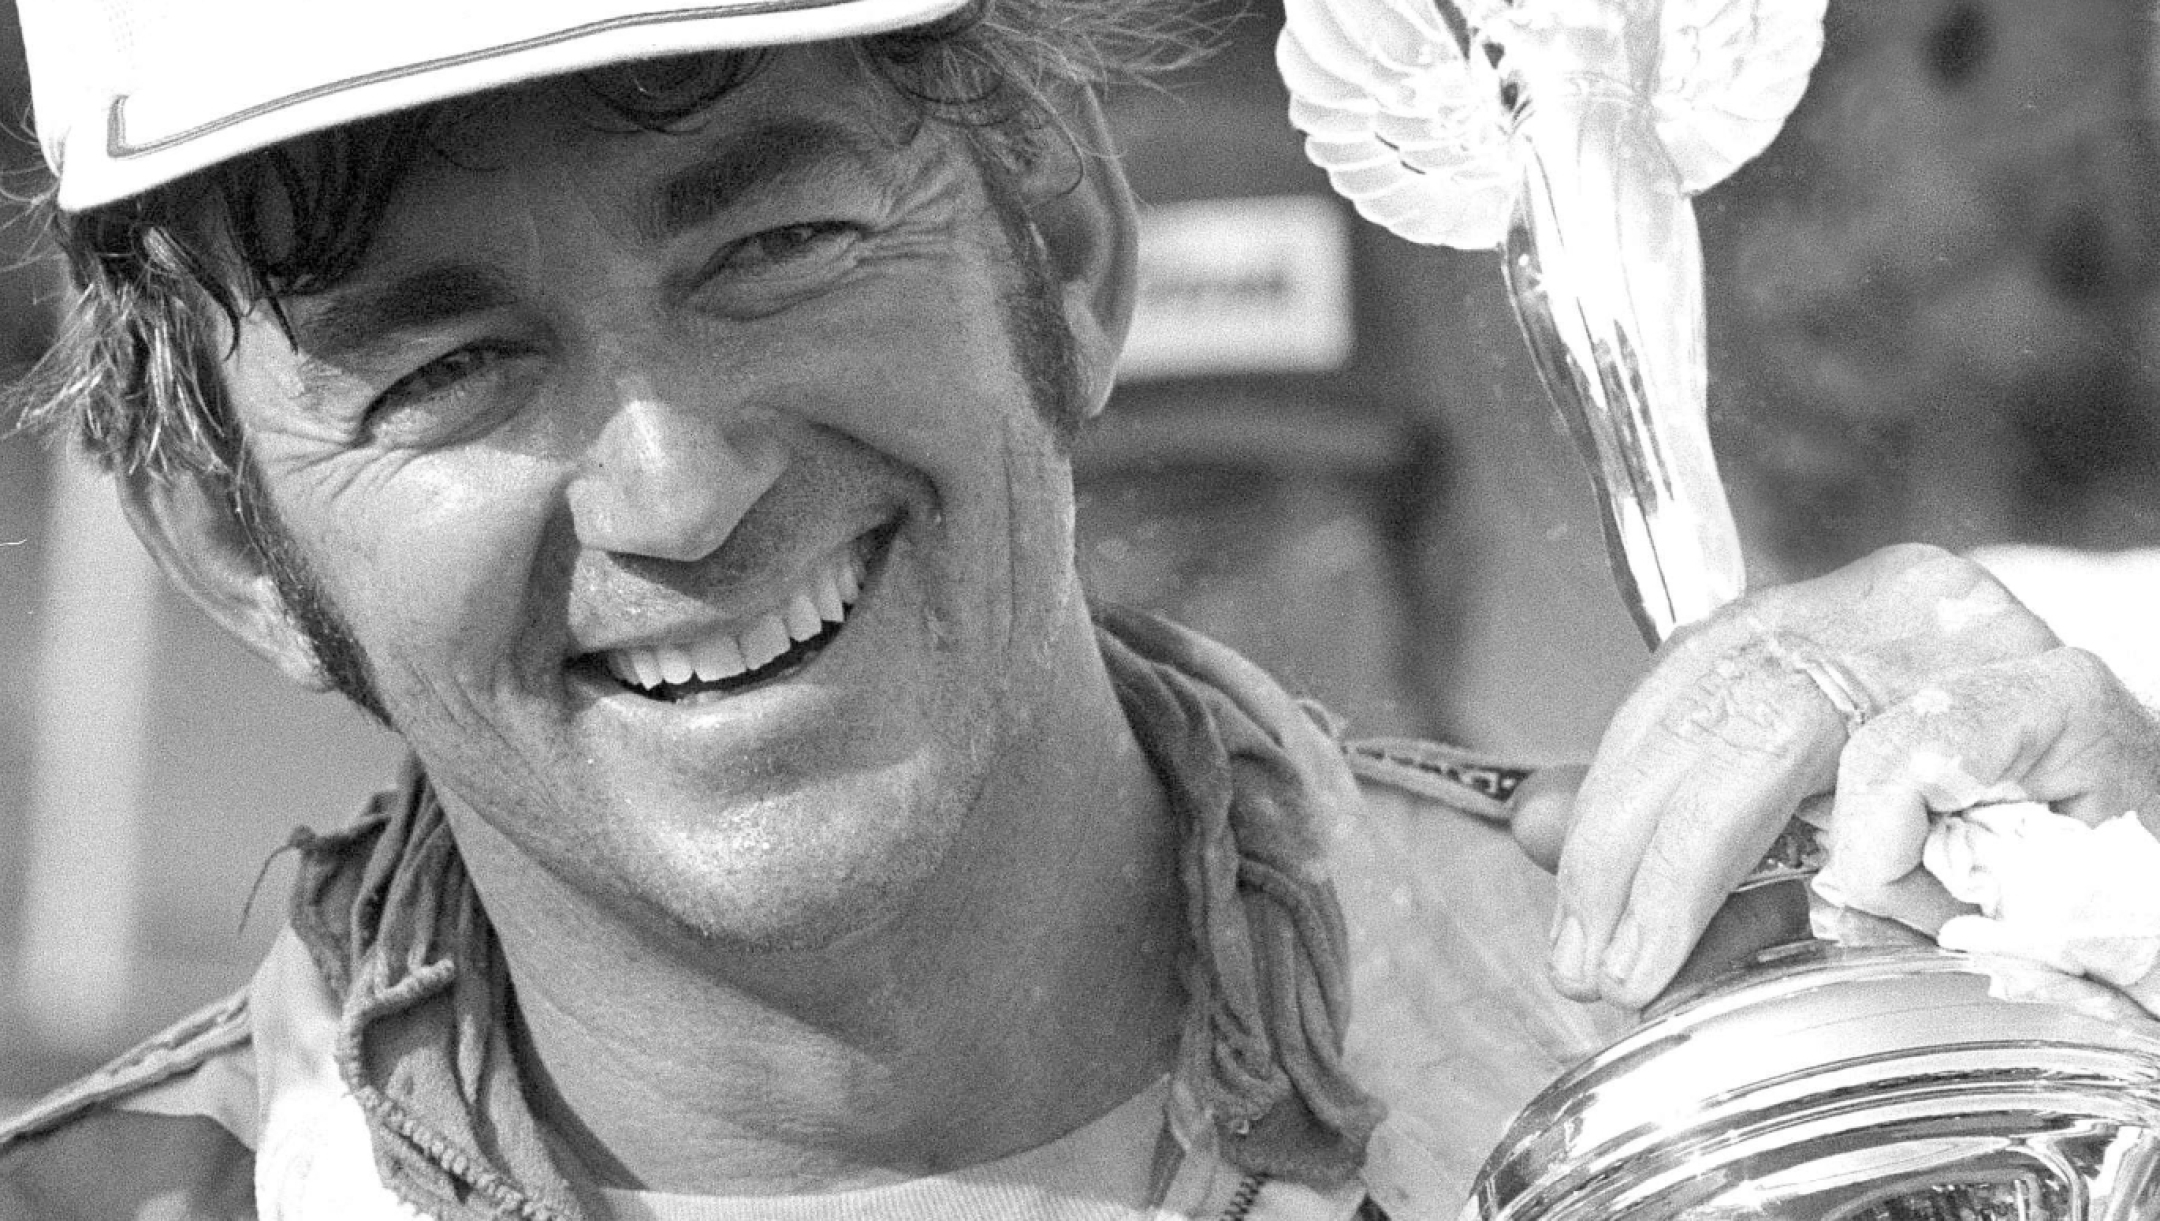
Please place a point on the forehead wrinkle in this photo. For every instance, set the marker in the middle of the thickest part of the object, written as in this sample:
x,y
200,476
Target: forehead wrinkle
x,y
756,159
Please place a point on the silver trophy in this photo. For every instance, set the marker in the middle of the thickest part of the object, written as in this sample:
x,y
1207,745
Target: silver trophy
x,y
1832,1082
1869,1077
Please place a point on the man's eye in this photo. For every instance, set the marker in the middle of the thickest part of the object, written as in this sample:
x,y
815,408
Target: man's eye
x,y
437,375
790,247
451,391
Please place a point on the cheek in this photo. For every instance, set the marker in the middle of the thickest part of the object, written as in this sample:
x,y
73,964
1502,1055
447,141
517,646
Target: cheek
x,y
918,364
949,395
442,566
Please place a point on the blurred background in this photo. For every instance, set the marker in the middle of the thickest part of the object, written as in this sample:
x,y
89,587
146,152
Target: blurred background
x,y
1931,317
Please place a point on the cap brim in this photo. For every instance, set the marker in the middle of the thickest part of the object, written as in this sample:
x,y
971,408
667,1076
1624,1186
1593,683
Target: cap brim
x,y
166,126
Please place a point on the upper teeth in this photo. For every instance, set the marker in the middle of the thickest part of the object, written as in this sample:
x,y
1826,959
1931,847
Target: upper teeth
x,y
824,597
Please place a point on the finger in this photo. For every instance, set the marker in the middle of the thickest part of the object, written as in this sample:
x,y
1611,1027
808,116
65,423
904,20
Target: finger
x,y
1715,832
2056,728
2110,761
1891,619
1542,809
1919,609
1900,620
1918,900
1668,822
1745,925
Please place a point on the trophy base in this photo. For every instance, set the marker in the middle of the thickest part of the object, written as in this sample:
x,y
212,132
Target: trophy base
x,y
1826,1083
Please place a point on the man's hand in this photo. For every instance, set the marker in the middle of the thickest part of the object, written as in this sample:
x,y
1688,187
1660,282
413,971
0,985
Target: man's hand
x,y
1968,699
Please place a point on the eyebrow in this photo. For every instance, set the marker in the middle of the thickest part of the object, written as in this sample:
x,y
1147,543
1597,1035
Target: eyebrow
x,y
752,160
348,322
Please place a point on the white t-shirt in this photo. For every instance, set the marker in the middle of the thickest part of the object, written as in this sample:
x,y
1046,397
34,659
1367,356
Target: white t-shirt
x,y
1103,1171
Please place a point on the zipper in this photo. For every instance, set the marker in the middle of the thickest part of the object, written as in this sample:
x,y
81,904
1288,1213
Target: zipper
x,y
1244,1198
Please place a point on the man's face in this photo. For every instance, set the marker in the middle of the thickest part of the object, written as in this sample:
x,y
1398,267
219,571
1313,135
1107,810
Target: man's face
x,y
686,498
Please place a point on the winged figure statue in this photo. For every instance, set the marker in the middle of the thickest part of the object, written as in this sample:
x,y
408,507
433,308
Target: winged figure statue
x,y
1570,135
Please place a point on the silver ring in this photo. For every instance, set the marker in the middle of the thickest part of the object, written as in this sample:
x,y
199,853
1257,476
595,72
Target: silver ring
x,y
1830,677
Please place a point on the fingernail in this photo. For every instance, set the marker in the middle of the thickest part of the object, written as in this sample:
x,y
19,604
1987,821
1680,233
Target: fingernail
x,y
1620,956
1567,952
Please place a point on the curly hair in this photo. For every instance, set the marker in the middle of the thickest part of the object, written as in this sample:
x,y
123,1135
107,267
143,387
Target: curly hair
x,y
161,277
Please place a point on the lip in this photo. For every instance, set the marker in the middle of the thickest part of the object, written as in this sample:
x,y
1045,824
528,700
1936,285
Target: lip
x,y
869,545
590,680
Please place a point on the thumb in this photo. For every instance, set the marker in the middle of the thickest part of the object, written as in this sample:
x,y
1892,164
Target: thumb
x,y
1542,809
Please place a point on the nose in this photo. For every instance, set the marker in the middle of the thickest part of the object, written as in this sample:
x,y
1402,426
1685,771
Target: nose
x,y
670,475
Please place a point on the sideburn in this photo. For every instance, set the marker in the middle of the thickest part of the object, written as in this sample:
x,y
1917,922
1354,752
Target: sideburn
x,y
307,604
1033,306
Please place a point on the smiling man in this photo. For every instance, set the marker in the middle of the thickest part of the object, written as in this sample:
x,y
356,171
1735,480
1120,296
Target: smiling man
x,y
658,415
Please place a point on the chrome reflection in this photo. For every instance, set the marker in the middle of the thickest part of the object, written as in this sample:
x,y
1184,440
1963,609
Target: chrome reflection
x,y
1821,1082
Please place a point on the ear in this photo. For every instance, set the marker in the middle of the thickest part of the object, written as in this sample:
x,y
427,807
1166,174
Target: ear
x,y
190,527
1083,207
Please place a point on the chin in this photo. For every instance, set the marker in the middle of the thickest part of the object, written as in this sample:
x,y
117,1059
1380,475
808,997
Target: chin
x,y
791,922
797,896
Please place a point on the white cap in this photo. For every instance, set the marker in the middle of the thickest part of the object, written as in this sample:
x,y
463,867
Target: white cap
x,y
131,94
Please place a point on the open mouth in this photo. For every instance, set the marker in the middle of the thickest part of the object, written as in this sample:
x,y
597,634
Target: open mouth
x,y
773,646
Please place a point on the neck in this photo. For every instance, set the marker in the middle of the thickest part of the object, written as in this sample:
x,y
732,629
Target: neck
x,y
1029,989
